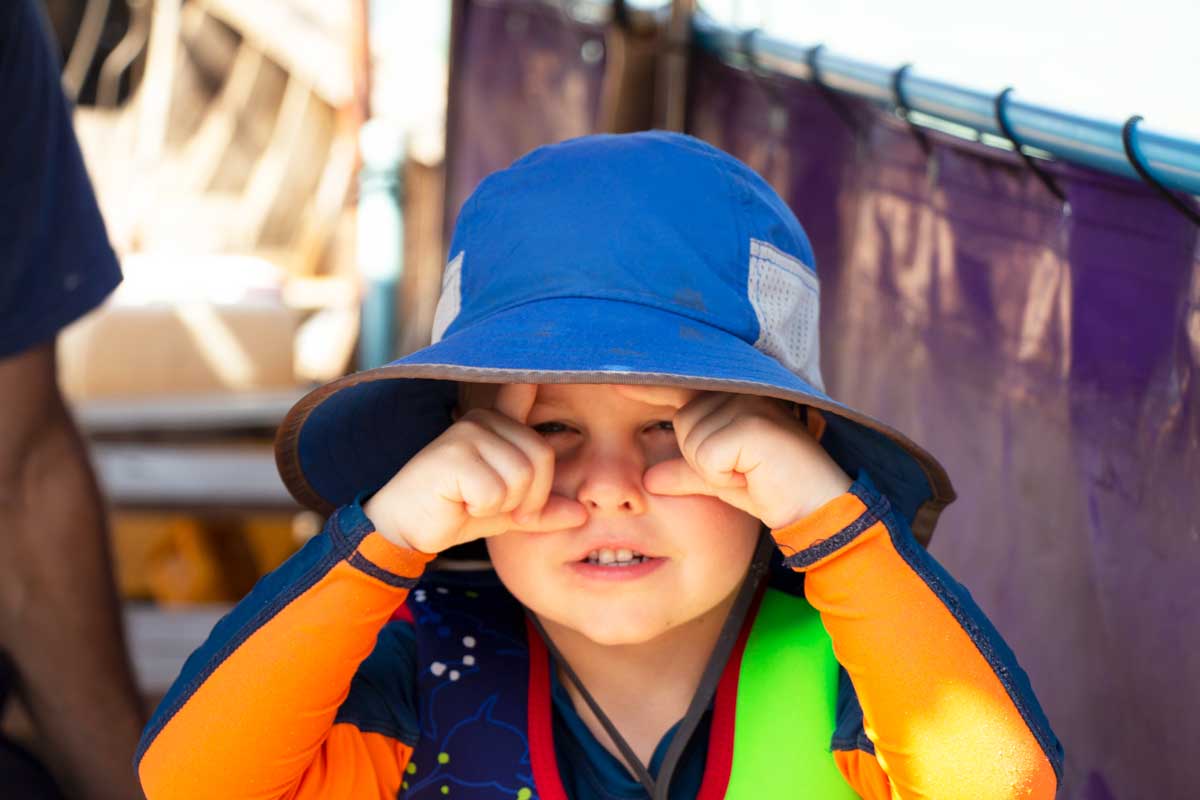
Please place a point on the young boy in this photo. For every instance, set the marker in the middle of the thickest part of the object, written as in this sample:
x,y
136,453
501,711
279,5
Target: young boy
x,y
623,401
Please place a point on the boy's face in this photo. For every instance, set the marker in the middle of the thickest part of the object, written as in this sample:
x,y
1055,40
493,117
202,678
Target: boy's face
x,y
696,548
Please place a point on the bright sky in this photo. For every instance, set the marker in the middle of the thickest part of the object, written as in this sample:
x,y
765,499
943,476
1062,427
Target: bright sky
x,y
1105,59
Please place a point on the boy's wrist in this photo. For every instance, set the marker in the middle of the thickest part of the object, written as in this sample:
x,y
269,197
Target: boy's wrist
x,y
384,526
839,525
385,559
816,494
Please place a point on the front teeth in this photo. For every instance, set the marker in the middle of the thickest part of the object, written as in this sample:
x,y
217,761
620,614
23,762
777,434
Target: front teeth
x,y
615,558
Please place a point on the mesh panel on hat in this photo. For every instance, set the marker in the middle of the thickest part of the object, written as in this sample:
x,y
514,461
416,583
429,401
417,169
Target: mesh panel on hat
x,y
786,299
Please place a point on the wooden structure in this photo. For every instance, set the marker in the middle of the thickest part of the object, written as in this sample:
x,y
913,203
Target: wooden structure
x,y
238,142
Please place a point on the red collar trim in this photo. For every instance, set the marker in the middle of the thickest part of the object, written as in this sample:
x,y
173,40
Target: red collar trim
x,y
546,779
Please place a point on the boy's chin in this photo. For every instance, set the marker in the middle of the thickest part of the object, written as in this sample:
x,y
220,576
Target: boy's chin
x,y
610,636
614,630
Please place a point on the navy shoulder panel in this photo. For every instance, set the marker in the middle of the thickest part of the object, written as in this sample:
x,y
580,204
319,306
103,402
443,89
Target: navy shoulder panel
x,y
849,733
784,579
383,693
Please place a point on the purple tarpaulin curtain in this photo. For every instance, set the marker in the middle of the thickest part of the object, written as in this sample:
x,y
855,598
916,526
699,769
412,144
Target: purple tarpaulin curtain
x,y
1049,360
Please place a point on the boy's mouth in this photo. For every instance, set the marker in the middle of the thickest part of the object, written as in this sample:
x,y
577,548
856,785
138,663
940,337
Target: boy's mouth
x,y
617,561
607,557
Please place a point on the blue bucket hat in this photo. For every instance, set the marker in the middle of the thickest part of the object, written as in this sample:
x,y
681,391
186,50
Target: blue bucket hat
x,y
649,258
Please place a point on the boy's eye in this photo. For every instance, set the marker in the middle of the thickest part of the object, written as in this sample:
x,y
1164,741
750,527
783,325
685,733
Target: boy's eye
x,y
550,428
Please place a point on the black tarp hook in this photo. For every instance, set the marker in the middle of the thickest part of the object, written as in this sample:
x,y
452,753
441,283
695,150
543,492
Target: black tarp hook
x,y
903,108
777,113
1139,164
1001,111
812,61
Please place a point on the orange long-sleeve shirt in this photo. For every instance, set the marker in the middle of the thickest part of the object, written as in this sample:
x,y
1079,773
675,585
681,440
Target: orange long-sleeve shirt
x,y
947,713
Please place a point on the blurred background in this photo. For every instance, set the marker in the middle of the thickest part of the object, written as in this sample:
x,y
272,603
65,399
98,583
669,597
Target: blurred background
x,y
279,179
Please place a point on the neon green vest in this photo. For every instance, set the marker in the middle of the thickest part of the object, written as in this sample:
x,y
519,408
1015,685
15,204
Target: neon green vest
x,y
786,707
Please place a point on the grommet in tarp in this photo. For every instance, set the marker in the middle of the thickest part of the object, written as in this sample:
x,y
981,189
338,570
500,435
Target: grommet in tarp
x,y
1138,162
1002,122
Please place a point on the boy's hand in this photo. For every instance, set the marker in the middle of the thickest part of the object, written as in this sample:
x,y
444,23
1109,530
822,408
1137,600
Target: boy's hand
x,y
746,450
486,474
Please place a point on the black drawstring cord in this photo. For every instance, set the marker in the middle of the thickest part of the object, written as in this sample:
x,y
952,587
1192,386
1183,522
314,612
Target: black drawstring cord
x,y
642,774
730,630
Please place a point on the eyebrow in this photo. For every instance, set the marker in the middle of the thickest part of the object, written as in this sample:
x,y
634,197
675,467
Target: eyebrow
x,y
561,408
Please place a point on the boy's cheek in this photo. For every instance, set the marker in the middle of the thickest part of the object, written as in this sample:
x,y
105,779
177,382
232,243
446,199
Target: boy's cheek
x,y
705,530
522,553
509,558
693,508
523,568
505,546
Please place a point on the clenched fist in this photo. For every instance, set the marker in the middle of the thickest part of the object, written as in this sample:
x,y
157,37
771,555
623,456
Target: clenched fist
x,y
486,474
746,450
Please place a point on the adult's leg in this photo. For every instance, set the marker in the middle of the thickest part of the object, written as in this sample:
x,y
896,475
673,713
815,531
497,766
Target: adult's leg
x,y
59,616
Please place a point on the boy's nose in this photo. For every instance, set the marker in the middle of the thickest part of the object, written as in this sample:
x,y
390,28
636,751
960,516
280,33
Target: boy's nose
x,y
612,486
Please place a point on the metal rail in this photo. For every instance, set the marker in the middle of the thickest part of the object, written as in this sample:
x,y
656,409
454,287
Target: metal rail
x,y
1094,143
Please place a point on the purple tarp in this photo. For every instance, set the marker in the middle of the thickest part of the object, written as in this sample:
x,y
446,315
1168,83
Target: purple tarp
x,y
523,74
1048,359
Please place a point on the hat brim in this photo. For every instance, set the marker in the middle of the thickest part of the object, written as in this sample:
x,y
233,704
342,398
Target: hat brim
x,y
352,435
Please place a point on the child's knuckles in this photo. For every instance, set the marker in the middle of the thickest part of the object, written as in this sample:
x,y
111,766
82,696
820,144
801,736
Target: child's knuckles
x,y
484,421
709,427
518,481
541,453
690,439
512,502
456,455
683,421
759,425
708,403
712,460
471,416
484,492
518,473
468,428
